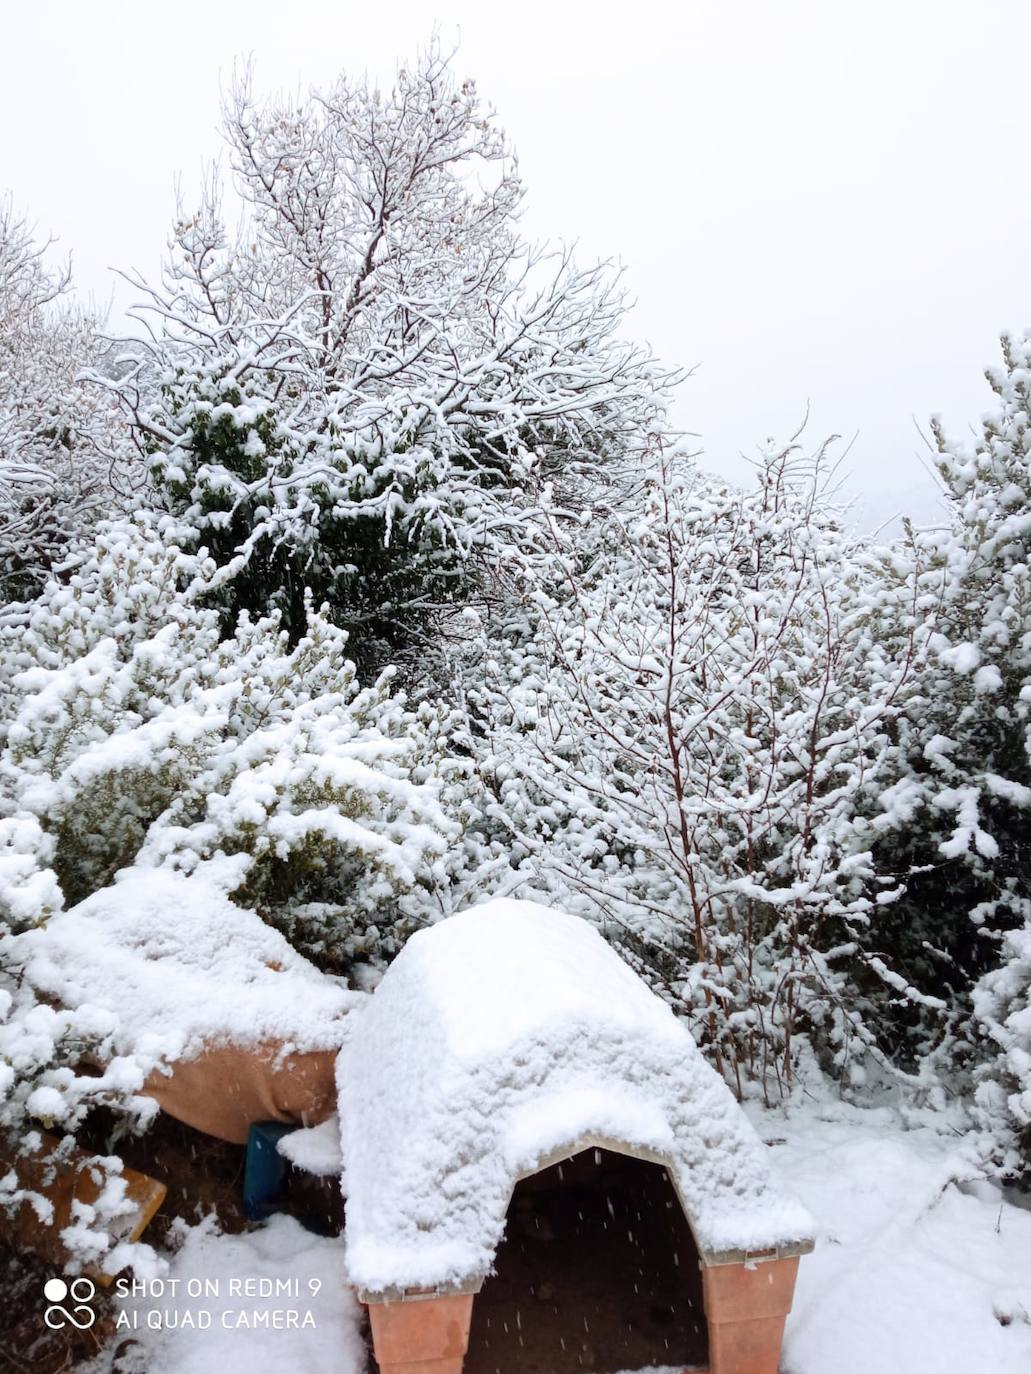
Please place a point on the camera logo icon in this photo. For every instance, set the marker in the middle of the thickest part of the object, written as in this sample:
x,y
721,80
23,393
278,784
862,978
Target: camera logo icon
x,y
80,1292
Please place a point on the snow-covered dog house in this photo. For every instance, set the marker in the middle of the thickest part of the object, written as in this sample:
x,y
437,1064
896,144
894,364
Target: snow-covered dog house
x,y
501,1041
234,1025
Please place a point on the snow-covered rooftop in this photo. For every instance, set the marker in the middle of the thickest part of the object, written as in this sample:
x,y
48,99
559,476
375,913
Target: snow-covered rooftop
x,y
498,1041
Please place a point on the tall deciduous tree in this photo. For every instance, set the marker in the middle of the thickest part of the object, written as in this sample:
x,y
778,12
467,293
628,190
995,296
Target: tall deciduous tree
x,y
679,738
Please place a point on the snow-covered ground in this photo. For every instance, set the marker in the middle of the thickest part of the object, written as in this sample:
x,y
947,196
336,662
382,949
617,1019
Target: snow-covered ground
x,y
912,1274
230,1326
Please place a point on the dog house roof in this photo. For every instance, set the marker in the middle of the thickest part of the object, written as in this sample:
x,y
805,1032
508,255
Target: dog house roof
x,y
172,966
502,1040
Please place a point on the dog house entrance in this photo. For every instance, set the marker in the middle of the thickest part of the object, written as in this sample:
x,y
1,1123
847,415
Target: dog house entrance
x,y
598,1272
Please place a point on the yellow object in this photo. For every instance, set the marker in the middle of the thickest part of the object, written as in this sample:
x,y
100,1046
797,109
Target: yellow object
x,y
78,1178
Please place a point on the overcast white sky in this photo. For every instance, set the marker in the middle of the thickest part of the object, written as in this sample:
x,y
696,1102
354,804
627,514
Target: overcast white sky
x,y
814,200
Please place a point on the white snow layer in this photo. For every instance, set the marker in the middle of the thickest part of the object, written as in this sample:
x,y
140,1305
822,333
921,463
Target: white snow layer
x,y
183,967
498,1037
272,1299
315,1149
915,1270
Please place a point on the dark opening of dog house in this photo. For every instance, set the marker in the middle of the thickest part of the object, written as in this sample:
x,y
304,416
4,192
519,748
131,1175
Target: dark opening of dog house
x,y
543,1173
597,1271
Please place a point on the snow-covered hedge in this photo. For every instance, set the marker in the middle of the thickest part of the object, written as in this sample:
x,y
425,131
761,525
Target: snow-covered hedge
x,y
954,816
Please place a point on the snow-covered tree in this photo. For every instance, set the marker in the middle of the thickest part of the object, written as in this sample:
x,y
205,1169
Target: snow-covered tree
x,y
956,816
370,388
676,737
64,451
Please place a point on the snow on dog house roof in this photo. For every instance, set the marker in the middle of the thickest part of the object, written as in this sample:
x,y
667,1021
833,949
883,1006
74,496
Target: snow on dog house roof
x,y
504,1039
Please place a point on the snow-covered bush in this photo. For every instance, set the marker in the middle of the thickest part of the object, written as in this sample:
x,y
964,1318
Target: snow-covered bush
x,y
676,737
136,733
64,449
369,391
49,1061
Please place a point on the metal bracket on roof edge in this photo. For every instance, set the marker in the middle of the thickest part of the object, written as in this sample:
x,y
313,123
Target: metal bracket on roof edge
x,y
415,1294
762,1256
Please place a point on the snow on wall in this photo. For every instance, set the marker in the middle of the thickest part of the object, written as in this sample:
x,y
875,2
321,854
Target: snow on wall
x,y
182,967
496,1038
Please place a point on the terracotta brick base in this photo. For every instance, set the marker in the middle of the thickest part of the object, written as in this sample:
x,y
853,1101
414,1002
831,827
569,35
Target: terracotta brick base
x,y
421,1335
746,1308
